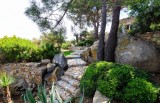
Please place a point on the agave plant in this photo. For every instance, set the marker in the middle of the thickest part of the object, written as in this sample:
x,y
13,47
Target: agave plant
x,y
5,81
42,97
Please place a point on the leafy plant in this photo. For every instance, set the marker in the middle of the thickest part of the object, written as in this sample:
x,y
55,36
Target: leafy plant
x,y
48,50
155,27
66,45
54,96
140,91
5,81
149,8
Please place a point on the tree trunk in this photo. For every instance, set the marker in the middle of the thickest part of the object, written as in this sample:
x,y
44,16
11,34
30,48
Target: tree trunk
x,y
7,94
96,31
111,43
77,39
100,48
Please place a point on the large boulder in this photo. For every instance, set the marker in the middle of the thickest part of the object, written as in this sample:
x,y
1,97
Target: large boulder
x,y
51,67
130,50
52,73
138,53
90,54
61,61
53,76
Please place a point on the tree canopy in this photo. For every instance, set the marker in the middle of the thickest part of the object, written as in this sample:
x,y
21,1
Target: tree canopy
x,y
47,14
147,13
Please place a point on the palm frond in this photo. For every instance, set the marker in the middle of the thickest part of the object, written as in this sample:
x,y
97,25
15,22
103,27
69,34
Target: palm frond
x,y
5,79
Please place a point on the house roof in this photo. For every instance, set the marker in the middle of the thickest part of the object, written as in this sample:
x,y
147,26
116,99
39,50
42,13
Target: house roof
x,y
127,21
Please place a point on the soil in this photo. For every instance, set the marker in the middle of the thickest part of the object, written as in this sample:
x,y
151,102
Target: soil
x,y
16,99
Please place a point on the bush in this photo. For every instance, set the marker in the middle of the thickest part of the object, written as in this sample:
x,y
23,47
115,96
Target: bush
x,y
112,79
113,83
16,49
86,42
49,51
90,77
66,45
140,91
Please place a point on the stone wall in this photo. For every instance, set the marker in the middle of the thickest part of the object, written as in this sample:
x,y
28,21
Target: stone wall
x,y
26,75
30,75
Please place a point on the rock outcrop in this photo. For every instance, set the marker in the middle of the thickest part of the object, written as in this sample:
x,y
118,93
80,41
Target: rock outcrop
x,y
138,53
131,50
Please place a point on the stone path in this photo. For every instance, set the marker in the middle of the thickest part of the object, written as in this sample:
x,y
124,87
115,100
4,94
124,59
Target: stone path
x,y
68,86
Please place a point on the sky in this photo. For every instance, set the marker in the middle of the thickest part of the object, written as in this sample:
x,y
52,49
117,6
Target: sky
x,y
13,21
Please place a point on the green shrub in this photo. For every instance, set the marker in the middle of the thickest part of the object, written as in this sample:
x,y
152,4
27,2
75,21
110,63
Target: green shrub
x,y
90,77
16,49
49,51
66,45
140,91
87,42
112,79
112,83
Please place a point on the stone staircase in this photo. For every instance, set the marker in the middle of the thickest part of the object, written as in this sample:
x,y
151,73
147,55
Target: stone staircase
x,y
68,86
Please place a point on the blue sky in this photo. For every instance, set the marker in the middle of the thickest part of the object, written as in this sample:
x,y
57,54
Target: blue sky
x,y
13,21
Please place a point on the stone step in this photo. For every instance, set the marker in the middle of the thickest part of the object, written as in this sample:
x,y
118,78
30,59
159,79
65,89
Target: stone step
x,y
73,56
67,87
76,75
71,81
63,94
76,69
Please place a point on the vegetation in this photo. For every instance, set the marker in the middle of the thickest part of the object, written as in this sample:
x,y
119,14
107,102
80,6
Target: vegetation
x,y
67,53
16,49
89,79
149,8
117,81
66,45
140,91
49,51
5,81
113,80
85,39
43,98
85,13
55,38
